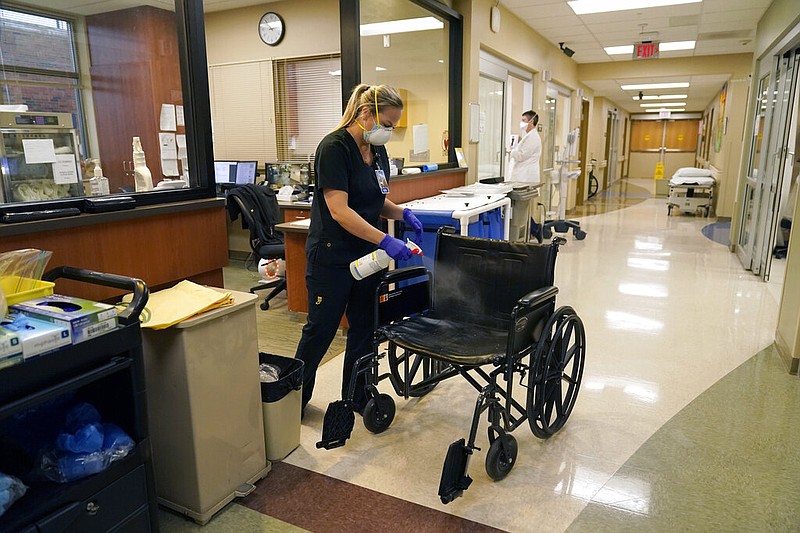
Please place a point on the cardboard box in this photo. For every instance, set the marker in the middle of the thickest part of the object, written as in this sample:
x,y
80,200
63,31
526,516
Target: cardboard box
x,y
36,336
84,318
10,348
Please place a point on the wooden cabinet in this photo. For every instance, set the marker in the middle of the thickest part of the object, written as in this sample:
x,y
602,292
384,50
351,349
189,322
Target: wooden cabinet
x,y
135,69
291,214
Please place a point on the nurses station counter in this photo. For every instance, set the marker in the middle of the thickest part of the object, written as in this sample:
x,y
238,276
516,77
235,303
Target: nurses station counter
x,y
295,231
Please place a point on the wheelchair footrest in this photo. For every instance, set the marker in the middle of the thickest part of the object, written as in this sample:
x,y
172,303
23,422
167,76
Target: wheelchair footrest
x,y
337,424
454,473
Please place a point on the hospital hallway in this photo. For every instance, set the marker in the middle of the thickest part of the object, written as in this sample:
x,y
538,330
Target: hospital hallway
x,y
687,419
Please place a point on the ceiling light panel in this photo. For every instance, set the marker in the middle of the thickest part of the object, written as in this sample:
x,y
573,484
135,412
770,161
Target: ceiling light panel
x,y
585,7
401,26
644,86
676,45
661,97
665,104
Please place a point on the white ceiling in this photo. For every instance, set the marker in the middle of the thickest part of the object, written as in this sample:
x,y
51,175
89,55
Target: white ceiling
x,y
718,26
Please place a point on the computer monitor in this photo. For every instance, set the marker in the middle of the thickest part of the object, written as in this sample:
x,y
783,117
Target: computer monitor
x,y
246,172
225,171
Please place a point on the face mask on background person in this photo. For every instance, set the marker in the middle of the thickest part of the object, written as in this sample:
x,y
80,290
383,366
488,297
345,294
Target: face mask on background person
x,y
524,127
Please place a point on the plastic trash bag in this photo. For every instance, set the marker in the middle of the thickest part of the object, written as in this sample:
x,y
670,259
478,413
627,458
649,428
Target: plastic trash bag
x,y
11,490
269,373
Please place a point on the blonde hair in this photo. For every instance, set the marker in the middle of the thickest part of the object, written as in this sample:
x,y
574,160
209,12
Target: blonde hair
x,y
366,96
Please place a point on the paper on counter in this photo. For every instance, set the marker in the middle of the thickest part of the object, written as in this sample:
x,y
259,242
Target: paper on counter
x,y
168,119
179,115
65,169
39,151
184,300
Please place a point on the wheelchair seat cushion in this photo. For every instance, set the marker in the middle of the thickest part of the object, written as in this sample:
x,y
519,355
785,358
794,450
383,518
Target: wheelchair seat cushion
x,y
446,340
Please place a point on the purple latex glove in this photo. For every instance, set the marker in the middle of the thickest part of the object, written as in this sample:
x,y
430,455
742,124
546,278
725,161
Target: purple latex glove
x,y
395,248
412,220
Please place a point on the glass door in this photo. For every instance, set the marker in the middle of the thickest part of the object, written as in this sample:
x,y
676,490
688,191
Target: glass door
x,y
744,247
763,185
490,147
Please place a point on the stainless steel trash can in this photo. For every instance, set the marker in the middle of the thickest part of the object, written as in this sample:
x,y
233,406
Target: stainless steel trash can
x,y
282,404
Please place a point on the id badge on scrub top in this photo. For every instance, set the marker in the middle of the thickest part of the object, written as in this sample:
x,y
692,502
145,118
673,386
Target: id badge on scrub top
x,y
382,183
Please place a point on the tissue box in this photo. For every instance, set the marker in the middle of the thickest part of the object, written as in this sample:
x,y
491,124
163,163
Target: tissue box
x,y
10,348
36,336
84,318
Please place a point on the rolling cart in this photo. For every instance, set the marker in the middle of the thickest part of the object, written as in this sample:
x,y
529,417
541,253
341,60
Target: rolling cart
x,y
106,371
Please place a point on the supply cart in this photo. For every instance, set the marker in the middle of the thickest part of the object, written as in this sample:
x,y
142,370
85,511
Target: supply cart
x,y
691,194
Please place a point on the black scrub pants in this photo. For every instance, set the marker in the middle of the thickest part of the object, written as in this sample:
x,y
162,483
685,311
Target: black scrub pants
x,y
332,291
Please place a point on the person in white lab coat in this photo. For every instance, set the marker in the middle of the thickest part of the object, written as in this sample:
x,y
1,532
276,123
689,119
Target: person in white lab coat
x,y
525,157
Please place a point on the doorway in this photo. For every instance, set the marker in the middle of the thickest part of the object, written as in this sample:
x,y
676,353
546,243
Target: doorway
x,y
580,192
504,93
772,163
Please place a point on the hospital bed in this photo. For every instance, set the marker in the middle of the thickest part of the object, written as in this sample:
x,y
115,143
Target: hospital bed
x,y
691,190
487,313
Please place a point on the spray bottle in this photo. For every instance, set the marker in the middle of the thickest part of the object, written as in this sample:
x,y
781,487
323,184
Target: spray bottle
x,y
143,178
376,261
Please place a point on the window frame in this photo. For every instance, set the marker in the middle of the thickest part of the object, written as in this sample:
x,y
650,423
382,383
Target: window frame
x,y
190,29
350,20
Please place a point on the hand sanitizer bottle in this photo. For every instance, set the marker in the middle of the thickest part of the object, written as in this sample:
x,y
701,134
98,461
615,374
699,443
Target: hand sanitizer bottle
x,y
98,185
142,176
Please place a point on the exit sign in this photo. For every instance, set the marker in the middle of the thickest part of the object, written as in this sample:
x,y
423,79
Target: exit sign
x,y
645,50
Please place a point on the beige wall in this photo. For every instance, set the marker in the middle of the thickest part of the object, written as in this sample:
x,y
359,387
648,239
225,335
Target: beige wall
x,y
518,44
727,162
312,27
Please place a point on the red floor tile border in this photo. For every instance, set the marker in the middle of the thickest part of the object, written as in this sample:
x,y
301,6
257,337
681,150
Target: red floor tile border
x,y
324,504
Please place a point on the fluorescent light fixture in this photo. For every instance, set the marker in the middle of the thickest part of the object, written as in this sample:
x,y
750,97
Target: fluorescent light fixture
x,y
619,50
380,69
662,97
674,110
665,104
585,7
401,26
335,72
627,49
676,45
643,86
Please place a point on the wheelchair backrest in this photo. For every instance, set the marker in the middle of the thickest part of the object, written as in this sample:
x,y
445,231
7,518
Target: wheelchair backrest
x,y
480,280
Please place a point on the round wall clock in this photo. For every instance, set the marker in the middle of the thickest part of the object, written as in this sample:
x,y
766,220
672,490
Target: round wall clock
x,y
271,28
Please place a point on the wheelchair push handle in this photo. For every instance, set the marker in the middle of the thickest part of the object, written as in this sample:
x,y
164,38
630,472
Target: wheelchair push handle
x,y
140,291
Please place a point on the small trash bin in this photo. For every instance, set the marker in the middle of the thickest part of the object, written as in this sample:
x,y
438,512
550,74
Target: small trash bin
x,y
520,223
281,405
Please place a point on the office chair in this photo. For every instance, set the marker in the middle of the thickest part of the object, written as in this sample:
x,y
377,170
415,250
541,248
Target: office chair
x,y
260,212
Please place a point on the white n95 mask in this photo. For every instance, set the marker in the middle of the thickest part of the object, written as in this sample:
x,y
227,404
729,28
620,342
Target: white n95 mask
x,y
524,127
378,135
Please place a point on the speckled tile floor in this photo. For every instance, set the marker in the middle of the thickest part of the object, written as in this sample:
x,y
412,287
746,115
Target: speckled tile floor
x,y
687,419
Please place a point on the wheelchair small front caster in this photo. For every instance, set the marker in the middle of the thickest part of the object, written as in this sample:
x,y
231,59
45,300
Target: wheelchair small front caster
x,y
501,457
579,234
379,413
264,306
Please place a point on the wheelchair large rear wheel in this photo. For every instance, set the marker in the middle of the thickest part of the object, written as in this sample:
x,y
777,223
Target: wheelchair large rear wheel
x,y
557,372
420,367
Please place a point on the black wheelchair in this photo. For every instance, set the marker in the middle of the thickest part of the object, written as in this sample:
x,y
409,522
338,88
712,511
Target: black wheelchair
x,y
487,313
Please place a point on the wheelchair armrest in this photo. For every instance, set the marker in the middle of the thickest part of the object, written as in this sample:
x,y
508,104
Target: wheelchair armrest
x,y
537,297
400,274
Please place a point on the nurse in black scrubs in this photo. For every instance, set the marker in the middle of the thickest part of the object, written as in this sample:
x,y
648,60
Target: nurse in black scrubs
x,y
352,171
